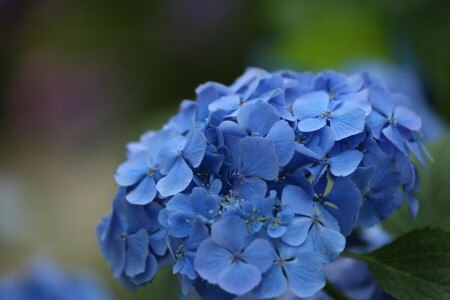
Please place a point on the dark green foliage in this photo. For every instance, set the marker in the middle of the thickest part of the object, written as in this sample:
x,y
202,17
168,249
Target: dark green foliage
x,y
414,266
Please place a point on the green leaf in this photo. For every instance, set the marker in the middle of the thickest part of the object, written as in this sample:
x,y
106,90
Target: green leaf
x,y
414,266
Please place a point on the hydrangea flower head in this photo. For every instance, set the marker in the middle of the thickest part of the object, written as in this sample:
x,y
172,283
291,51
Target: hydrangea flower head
x,y
253,187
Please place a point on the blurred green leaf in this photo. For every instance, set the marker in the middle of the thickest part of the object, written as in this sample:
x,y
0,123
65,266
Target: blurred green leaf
x,y
415,266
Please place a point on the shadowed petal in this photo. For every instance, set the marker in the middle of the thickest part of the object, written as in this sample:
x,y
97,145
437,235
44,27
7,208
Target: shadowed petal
x,y
258,158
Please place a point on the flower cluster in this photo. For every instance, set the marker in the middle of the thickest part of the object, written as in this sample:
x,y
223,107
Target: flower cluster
x,y
251,188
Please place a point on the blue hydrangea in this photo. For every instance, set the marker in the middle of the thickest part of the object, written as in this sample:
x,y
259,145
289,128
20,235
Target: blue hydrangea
x,y
44,280
253,187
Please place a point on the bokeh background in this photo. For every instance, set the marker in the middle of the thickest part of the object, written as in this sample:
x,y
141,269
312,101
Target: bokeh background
x,y
79,79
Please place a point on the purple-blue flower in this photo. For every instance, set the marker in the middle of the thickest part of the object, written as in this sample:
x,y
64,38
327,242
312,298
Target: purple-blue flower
x,y
254,186
232,259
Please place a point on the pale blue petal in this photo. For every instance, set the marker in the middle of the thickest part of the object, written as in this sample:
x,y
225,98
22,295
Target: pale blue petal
x,y
407,118
304,274
211,260
298,199
259,253
277,231
376,122
239,278
258,158
311,124
232,128
144,193
227,103
297,231
180,224
348,123
381,100
311,105
345,163
230,233
194,150
328,242
176,181
133,169
282,137
257,117
169,153
180,203
246,188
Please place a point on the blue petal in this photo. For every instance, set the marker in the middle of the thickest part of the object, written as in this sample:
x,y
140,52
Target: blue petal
x,y
282,137
230,233
194,150
227,103
259,253
258,158
180,203
273,283
180,224
297,231
211,260
311,124
392,134
413,204
232,128
257,117
328,242
188,267
176,181
345,124
199,234
376,122
133,169
345,163
298,199
205,204
112,244
246,188
346,202
137,252
276,231
169,153
157,241
311,105
381,100
151,266
304,274
239,278
407,118
144,193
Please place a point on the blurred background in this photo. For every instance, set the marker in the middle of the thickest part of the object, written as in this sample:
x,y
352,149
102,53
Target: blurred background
x,y
80,79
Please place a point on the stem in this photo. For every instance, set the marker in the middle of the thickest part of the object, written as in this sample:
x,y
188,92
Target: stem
x,y
334,292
